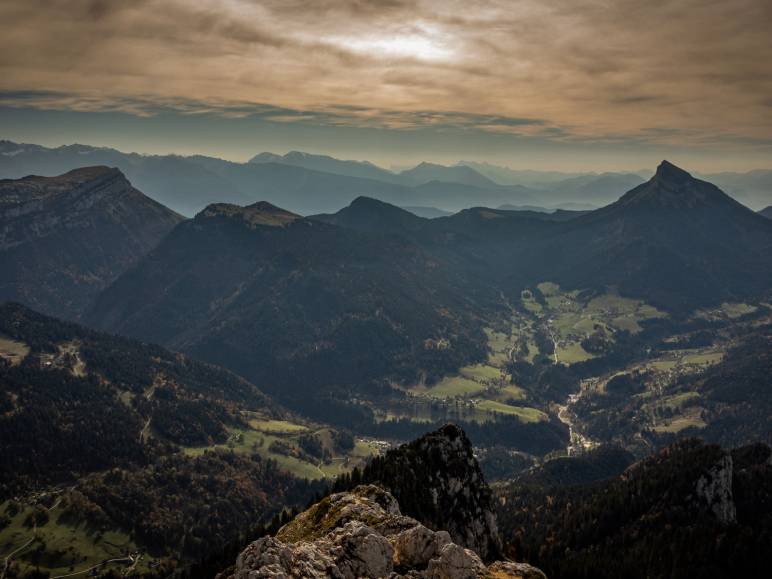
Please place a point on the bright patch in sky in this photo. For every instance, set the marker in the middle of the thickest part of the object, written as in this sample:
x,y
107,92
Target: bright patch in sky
x,y
425,44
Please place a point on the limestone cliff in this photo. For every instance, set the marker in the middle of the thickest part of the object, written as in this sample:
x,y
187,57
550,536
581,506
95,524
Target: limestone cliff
x,y
363,534
437,480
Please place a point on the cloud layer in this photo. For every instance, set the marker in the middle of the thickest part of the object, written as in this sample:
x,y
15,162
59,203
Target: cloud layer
x,y
670,71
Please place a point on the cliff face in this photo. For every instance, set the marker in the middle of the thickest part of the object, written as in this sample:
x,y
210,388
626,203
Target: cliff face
x,y
362,533
715,489
437,480
427,513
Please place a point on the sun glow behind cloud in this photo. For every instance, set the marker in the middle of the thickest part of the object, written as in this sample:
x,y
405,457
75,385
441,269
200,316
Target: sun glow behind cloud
x,y
420,42
576,72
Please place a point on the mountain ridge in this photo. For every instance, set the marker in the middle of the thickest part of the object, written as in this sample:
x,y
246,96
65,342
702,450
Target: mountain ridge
x,y
64,238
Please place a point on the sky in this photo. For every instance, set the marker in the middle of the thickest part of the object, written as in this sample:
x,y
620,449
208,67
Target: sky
x,y
540,84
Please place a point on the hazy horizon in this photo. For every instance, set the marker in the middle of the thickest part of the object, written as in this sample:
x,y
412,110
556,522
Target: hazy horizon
x,y
396,167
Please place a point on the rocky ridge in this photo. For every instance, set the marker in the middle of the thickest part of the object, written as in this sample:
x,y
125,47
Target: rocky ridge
x,y
363,533
436,479
423,510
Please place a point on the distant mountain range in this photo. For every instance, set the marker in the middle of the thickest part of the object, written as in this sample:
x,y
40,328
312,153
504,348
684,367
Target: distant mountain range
x,y
428,212
767,212
326,164
753,188
64,239
307,183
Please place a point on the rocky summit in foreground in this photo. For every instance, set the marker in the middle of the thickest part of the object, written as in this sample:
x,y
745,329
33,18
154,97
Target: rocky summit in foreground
x,y
436,479
362,533
448,529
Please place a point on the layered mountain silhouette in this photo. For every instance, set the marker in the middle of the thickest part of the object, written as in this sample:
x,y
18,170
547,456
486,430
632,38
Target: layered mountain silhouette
x,y
428,172
767,212
675,241
63,239
295,304
307,184
299,182
374,292
328,164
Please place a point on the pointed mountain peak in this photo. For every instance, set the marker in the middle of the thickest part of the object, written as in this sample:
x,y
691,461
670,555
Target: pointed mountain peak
x,y
668,171
673,188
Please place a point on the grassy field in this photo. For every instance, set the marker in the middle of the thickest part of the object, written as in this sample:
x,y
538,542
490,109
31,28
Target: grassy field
x,y
690,418
252,441
261,434
454,387
728,310
571,319
572,353
663,365
68,548
12,350
523,413
483,372
686,360
277,426
703,358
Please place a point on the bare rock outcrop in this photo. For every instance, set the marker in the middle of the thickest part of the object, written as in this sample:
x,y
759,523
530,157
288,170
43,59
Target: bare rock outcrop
x,y
437,480
715,489
363,534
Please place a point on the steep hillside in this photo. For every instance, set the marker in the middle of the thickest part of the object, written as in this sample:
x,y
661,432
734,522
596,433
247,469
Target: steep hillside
x,y
76,401
295,306
96,465
691,510
63,239
676,241
601,463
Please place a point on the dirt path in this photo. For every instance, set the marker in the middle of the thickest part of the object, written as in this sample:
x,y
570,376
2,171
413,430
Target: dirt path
x,y
143,432
10,556
97,566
